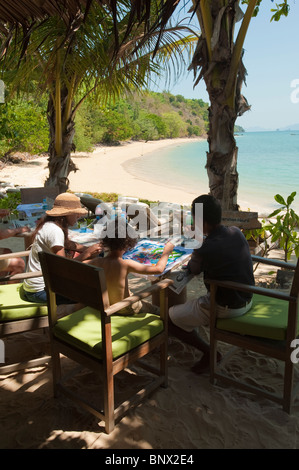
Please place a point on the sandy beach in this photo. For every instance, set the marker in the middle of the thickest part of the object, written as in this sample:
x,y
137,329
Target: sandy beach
x,y
190,414
104,170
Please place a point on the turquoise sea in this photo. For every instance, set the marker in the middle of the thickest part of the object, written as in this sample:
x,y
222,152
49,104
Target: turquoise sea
x,y
268,163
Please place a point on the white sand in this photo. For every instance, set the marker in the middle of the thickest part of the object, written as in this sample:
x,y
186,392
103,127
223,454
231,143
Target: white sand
x,y
104,170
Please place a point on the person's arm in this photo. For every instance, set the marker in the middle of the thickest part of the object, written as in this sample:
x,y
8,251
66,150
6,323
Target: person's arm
x,y
195,264
74,246
90,251
12,232
86,254
58,250
139,268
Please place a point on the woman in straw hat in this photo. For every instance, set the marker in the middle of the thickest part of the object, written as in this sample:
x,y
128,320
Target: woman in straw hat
x,y
51,236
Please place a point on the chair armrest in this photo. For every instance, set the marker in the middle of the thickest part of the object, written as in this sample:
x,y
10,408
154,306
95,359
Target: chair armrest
x,y
138,296
18,254
273,262
252,289
15,277
20,276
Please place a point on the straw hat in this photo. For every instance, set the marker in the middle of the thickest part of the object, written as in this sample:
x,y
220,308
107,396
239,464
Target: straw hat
x,y
66,204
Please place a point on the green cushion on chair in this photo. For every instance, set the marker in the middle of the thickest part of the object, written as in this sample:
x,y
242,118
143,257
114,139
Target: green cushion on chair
x,y
14,307
267,319
83,330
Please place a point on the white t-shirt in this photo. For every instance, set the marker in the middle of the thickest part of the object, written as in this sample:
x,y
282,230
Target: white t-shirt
x,y
47,237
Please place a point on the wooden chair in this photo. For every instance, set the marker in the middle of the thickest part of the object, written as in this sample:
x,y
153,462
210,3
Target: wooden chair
x,y
268,328
150,223
33,195
17,315
97,337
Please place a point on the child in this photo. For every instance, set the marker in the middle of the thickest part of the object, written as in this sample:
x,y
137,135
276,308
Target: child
x,y
117,269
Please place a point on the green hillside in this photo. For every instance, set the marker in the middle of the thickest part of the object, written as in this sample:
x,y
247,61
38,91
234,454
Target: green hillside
x,y
146,116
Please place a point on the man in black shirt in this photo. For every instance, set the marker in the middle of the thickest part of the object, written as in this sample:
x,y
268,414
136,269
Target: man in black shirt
x,y
224,255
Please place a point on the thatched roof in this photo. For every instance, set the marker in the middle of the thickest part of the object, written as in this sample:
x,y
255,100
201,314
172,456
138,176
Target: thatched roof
x,y
24,11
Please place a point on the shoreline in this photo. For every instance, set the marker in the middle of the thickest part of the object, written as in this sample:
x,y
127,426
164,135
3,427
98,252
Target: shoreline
x,y
117,177
105,169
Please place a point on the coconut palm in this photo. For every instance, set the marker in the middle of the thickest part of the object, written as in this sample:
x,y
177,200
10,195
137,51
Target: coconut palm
x,y
218,61
70,67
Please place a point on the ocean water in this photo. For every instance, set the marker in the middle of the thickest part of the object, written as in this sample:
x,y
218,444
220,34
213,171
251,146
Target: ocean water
x,y
268,164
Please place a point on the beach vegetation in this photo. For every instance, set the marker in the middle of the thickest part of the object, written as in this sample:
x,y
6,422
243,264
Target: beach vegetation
x,y
23,126
73,59
10,201
127,30
147,116
279,229
284,229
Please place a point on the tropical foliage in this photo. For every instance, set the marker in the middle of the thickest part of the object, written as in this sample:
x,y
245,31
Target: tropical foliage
x,y
72,64
146,116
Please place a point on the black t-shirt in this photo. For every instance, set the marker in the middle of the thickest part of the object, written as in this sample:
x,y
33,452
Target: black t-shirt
x,y
225,256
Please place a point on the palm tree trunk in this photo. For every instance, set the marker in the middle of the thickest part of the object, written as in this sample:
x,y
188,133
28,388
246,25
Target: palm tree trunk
x,y
221,67
60,164
222,155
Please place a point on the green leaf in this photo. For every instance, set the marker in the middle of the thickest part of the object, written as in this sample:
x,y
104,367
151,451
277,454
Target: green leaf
x,y
274,213
291,198
278,198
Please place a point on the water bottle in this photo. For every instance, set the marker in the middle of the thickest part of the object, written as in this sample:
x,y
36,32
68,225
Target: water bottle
x,y
99,213
113,213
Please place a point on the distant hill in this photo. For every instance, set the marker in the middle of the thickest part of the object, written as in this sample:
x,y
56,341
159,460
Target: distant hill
x,y
238,129
146,116
291,127
257,129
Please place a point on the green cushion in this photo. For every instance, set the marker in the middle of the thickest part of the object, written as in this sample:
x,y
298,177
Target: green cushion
x,y
83,330
267,319
14,307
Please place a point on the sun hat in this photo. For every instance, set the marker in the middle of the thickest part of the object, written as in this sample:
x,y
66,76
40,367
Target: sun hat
x,y
66,204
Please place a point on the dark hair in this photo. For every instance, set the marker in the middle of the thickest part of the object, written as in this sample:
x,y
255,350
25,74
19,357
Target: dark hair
x,y
60,221
212,211
118,236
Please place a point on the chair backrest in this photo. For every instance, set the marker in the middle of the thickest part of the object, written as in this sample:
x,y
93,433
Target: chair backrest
x,y
75,280
32,195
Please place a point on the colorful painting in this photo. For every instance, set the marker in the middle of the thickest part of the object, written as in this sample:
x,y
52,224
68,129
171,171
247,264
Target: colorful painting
x,y
150,251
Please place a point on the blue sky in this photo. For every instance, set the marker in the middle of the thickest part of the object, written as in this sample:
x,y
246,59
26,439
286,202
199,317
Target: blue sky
x,y
272,61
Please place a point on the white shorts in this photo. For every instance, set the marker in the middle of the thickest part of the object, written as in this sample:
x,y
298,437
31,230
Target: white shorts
x,y
196,313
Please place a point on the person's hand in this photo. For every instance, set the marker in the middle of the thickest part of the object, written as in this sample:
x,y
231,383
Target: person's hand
x,y
4,213
93,250
23,229
168,248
